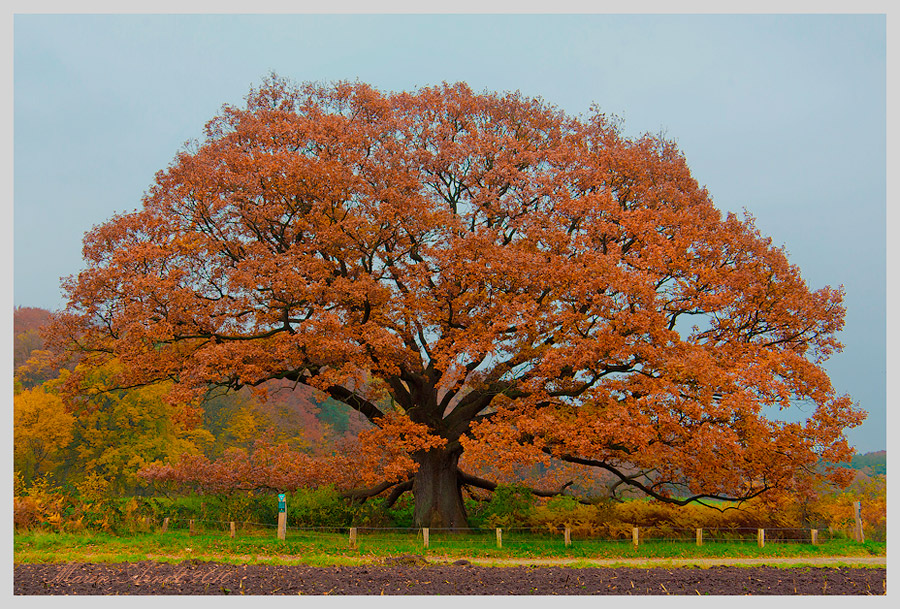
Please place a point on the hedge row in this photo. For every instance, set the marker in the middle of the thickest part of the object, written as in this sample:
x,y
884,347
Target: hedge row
x,y
88,507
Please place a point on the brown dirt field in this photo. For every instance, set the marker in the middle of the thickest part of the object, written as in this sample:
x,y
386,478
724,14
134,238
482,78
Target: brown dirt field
x,y
412,575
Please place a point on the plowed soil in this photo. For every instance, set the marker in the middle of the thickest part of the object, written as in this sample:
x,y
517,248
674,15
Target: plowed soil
x,y
413,576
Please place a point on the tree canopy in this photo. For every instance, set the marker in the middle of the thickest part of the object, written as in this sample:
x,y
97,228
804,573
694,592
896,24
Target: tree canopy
x,y
506,281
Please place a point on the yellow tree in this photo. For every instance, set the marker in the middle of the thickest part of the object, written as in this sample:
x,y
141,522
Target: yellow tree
x,y
118,432
503,274
42,429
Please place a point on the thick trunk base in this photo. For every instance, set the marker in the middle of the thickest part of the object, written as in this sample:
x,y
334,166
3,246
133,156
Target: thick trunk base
x,y
438,496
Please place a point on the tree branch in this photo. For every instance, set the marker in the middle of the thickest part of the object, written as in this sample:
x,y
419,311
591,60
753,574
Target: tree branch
x,y
397,492
631,481
470,480
354,401
367,493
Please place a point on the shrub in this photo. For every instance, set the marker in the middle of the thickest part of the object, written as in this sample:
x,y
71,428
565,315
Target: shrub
x,y
240,507
90,505
26,513
41,505
560,512
509,506
319,507
402,512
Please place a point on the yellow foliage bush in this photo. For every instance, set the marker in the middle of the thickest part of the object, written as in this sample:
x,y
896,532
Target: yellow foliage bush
x,y
662,520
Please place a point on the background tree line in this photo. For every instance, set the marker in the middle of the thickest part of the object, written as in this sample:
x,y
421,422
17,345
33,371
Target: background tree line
x,y
115,433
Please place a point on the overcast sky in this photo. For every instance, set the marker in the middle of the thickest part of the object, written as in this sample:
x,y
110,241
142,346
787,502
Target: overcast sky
x,y
781,115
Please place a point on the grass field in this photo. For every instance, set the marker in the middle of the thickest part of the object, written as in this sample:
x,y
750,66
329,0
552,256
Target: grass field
x,y
321,548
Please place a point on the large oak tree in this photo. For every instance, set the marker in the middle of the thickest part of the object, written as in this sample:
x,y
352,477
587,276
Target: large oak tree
x,y
510,279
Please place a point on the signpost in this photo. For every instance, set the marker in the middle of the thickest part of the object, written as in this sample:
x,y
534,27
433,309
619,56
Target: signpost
x,y
282,515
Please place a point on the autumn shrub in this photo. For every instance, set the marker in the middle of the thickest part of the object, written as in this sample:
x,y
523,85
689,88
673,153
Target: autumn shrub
x,y
94,504
26,513
837,512
646,514
25,510
41,505
661,520
91,505
558,513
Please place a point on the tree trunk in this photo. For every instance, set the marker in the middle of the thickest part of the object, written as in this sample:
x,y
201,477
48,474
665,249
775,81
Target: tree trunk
x,y
437,492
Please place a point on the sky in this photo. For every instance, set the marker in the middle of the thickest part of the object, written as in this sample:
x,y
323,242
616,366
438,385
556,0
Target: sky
x,y
781,115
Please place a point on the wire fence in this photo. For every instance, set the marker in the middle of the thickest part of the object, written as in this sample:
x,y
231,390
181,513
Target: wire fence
x,y
489,538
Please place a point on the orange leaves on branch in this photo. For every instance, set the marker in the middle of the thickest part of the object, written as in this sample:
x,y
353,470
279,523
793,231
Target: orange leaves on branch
x,y
378,455
268,467
386,453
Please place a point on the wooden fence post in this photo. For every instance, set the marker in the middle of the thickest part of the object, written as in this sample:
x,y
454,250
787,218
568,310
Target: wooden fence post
x,y
191,529
282,525
353,538
814,536
699,537
231,526
858,533
568,537
165,526
425,539
635,536
499,538
761,537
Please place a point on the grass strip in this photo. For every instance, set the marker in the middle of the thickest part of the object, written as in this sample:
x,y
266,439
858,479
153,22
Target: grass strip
x,y
329,548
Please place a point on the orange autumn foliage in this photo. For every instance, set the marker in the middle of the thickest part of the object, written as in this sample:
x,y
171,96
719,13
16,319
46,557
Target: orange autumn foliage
x,y
512,278
378,455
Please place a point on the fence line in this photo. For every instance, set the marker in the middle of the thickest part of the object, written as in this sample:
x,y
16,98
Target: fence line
x,y
513,536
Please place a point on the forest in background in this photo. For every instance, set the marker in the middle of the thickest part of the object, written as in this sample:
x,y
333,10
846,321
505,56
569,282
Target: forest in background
x,y
115,435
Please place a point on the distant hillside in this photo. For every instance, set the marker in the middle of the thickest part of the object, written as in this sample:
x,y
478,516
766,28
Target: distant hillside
x,y
27,324
871,463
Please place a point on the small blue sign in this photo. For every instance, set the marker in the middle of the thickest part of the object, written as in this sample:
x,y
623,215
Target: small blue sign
x,y
282,503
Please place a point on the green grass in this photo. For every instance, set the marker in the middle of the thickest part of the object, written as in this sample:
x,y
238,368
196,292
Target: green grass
x,y
320,548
